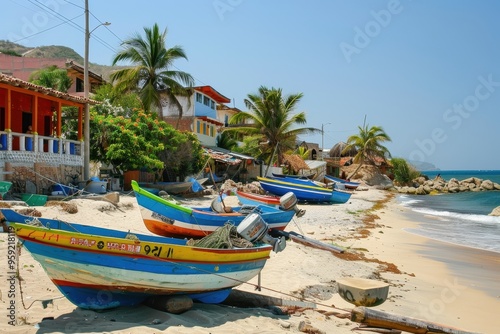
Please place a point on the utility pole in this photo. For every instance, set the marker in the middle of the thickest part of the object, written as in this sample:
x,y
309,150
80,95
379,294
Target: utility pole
x,y
86,91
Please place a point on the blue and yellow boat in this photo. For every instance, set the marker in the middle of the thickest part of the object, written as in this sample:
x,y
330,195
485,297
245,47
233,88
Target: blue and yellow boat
x,y
98,268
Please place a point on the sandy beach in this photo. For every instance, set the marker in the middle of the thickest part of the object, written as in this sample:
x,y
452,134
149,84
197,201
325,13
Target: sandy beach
x,y
438,282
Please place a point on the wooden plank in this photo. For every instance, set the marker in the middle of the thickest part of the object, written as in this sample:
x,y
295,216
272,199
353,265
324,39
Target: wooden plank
x,y
299,238
377,318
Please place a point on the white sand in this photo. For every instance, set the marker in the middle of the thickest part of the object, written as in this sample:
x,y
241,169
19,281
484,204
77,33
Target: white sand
x,y
427,288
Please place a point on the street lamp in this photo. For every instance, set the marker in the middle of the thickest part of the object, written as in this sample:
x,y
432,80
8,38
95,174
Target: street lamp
x,y
322,135
86,89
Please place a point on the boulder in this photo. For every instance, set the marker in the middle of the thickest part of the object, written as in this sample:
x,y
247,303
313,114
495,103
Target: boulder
x,y
487,185
420,191
495,212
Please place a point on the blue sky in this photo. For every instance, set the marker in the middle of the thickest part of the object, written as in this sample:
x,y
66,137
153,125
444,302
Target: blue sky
x,y
426,71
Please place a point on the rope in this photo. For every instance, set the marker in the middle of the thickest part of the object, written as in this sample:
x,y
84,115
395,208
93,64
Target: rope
x,y
225,237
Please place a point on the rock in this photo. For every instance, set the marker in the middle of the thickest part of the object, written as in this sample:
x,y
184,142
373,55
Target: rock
x,y
420,191
487,185
496,186
495,212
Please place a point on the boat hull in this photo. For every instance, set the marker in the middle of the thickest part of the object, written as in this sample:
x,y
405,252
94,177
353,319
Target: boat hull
x,y
171,187
347,184
257,199
98,268
304,190
166,218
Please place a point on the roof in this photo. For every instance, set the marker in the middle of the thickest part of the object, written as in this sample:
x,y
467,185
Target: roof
x,y
313,164
10,80
210,120
226,156
295,161
215,95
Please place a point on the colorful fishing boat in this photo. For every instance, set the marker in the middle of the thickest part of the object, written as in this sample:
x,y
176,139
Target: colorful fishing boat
x,y
304,190
98,268
270,200
246,198
168,218
347,184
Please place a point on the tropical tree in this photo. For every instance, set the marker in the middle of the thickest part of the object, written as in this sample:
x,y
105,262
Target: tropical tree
x,y
52,77
151,74
227,141
144,141
271,117
368,144
403,172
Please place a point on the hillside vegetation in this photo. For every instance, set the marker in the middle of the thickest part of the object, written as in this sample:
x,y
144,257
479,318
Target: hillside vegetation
x,y
52,51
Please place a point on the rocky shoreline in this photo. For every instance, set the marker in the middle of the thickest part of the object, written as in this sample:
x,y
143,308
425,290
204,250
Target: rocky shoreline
x,y
424,186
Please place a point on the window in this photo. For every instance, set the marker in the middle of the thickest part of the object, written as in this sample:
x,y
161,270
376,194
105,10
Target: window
x,y
198,127
212,104
199,98
206,101
79,85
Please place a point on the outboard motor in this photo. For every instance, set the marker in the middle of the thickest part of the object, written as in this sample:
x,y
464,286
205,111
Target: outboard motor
x,y
253,228
289,202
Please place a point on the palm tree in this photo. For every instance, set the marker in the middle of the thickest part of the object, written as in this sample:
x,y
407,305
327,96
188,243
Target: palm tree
x,y
52,77
368,144
271,116
151,74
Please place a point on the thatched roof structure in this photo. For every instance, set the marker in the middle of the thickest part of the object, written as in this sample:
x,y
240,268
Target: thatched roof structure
x,y
295,162
336,151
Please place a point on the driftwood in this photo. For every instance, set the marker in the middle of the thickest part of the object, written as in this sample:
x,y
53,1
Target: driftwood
x,y
299,238
387,320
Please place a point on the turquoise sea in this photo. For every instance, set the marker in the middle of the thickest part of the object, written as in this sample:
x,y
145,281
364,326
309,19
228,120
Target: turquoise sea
x,y
459,218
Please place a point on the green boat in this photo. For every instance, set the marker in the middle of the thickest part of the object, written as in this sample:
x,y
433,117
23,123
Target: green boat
x,y
34,199
4,187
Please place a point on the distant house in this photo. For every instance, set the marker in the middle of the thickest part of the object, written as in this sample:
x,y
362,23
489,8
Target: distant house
x,y
199,114
23,67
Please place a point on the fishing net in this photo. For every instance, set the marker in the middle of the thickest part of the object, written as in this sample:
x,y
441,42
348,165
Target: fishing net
x,y
225,237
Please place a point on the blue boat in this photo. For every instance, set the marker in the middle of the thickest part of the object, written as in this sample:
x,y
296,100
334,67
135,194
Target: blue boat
x,y
167,218
347,184
304,189
98,268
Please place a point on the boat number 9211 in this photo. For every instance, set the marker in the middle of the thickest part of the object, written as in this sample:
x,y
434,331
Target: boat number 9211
x,y
157,251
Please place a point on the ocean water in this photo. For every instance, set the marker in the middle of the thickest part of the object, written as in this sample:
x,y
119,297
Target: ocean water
x,y
459,218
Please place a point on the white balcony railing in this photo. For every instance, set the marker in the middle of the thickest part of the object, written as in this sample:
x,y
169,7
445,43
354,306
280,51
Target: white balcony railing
x,y
22,147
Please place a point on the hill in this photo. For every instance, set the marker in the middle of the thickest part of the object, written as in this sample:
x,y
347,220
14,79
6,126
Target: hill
x,y
52,51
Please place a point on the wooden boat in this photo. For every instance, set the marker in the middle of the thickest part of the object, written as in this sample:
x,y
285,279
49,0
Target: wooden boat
x,y
167,218
309,176
347,184
270,200
257,199
98,268
304,190
34,199
171,187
